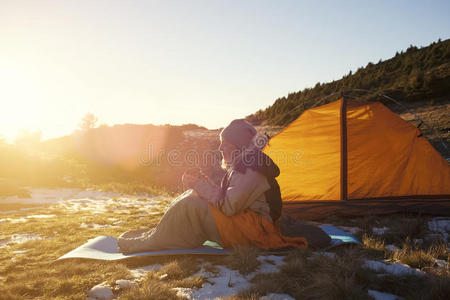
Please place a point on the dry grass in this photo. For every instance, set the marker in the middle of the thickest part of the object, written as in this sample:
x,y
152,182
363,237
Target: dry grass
x,y
243,259
47,280
417,257
307,276
37,275
403,227
373,245
412,255
150,288
180,268
177,272
413,287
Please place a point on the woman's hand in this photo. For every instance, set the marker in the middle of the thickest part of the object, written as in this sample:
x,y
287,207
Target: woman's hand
x,y
123,247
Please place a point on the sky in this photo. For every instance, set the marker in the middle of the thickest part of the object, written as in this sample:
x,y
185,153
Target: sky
x,y
178,62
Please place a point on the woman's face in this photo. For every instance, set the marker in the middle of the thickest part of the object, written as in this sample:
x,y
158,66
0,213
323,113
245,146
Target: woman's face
x,y
228,150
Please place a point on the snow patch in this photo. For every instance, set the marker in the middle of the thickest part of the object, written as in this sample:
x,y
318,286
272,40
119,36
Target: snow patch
x,y
140,272
379,230
25,219
441,226
331,255
42,195
154,213
13,221
7,212
20,238
97,202
269,264
397,269
381,296
95,226
225,283
40,216
123,204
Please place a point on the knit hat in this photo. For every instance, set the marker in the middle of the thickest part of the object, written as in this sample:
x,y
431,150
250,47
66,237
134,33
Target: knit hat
x,y
239,133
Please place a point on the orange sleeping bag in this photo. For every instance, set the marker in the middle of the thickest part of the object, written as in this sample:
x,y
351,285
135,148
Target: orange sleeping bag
x,y
249,228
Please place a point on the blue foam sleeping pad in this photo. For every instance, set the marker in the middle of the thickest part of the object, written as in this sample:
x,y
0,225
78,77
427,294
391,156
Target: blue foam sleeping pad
x,y
338,236
105,247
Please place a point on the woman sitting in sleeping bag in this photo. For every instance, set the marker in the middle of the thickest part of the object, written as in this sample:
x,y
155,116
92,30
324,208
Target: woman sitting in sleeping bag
x,y
243,211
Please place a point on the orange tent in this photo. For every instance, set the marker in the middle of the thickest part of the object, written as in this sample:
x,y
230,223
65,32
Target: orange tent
x,y
351,158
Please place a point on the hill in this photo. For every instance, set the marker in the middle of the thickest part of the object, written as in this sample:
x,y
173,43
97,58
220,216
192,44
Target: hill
x,y
128,157
411,77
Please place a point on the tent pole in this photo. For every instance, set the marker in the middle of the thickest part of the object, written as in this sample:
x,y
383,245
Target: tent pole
x,y
344,160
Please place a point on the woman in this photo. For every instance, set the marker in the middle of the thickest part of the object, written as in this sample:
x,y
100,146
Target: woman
x,y
243,211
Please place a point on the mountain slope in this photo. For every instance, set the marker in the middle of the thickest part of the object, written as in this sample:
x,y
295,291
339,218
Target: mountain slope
x,y
411,77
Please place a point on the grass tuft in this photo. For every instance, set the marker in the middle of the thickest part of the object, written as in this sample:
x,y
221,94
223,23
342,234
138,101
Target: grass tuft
x,y
150,289
180,268
417,257
372,242
244,259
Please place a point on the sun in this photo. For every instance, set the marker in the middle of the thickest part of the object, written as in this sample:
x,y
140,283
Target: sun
x,y
21,101
31,100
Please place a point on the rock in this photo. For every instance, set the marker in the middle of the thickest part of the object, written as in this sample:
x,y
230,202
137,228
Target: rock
x,y
277,297
125,284
381,296
392,248
442,264
397,269
183,293
418,241
101,292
